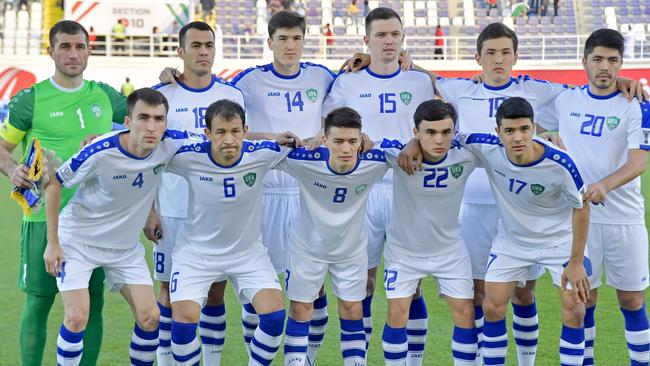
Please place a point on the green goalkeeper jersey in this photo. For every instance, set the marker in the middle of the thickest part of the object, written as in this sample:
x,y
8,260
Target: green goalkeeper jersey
x,y
61,118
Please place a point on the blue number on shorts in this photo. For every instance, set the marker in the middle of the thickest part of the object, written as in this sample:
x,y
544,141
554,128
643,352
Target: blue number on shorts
x,y
492,258
160,262
389,279
387,103
595,123
521,185
229,187
62,273
138,181
173,282
440,175
199,117
296,102
286,279
339,195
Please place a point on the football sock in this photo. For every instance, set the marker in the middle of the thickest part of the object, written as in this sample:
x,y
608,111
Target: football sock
x,y
212,329
142,350
525,329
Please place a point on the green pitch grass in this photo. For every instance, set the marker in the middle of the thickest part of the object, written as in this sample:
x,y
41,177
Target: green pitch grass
x,y
118,321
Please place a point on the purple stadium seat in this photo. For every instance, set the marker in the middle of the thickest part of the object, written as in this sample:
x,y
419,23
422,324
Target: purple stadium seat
x,y
533,19
521,21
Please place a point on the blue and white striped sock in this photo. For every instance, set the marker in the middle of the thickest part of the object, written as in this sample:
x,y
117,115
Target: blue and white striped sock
x,y
366,304
464,343
637,336
144,344
590,335
69,347
267,337
164,355
317,327
572,346
525,329
212,329
295,343
416,331
395,345
478,323
249,322
495,342
353,342
185,345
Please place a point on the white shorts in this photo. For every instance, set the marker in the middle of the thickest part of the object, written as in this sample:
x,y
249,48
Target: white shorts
x,y
304,278
479,226
513,263
452,270
121,266
380,207
277,213
193,274
162,252
624,249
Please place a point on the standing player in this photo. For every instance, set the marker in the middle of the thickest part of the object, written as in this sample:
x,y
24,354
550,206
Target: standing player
x,y
225,176
328,234
424,236
606,135
386,99
60,111
118,176
188,99
284,95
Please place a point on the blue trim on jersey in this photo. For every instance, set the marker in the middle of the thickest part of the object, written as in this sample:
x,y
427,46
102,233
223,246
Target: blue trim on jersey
x,y
58,177
251,146
391,144
504,86
374,155
602,97
336,77
208,148
116,139
201,90
92,149
356,165
159,85
286,77
645,114
483,138
444,78
565,160
195,148
382,76
180,135
239,76
532,163
321,66
323,154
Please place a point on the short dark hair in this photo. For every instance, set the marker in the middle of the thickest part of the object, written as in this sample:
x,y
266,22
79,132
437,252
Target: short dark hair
x,y
286,19
67,27
513,108
608,38
434,110
147,95
202,26
343,117
226,109
380,13
494,31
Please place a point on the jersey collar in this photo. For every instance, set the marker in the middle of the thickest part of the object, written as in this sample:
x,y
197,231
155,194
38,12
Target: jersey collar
x,y
209,149
193,90
382,76
327,162
504,86
601,97
67,90
541,158
274,71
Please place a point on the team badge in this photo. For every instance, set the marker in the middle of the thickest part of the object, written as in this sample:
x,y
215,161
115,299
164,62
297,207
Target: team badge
x,y
249,179
158,168
312,94
456,170
97,110
360,188
612,122
406,97
537,189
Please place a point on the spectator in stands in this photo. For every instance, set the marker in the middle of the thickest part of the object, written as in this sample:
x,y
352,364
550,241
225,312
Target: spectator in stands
x,y
556,6
157,40
119,36
353,12
329,39
207,6
127,88
491,4
366,8
275,6
92,38
299,8
440,43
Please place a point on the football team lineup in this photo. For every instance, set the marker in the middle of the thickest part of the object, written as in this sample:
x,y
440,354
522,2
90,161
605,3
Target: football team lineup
x,y
288,173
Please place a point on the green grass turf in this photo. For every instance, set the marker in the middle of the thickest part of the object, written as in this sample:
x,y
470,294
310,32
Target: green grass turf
x,y
118,321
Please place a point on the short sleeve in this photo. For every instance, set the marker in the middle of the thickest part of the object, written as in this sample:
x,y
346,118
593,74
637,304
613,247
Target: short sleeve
x,y
79,168
175,165
281,156
547,93
451,89
548,117
242,83
118,102
335,97
573,189
391,149
21,115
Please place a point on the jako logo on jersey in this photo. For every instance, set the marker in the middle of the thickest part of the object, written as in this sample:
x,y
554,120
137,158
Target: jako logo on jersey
x,y
360,188
320,185
56,114
612,122
273,94
365,95
405,97
537,189
574,114
119,176
184,109
158,168
206,179
249,179
312,94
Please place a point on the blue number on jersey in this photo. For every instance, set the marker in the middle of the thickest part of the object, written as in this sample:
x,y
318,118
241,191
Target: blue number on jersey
x,y
439,174
387,103
593,126
296,102
229,187
160,262
173,282
389,279
494,105
339,195
516,185
138,181
199,116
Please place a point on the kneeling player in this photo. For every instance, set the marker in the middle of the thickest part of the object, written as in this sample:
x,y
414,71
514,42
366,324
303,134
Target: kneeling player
x,y
221,237
424,237
118,175
329,235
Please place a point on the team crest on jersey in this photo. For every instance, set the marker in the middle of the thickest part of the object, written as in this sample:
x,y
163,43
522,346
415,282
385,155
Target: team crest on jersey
x,y
406,97
97,110
250,178
612,122
456,170
312,94
158,168
360,188
537,189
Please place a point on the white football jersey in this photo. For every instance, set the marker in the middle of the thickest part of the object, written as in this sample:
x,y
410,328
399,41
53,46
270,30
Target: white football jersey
x,y
476,105
225,202
330,224
278,103
426,205
187,107
386,103
116,190
598,131
535,201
